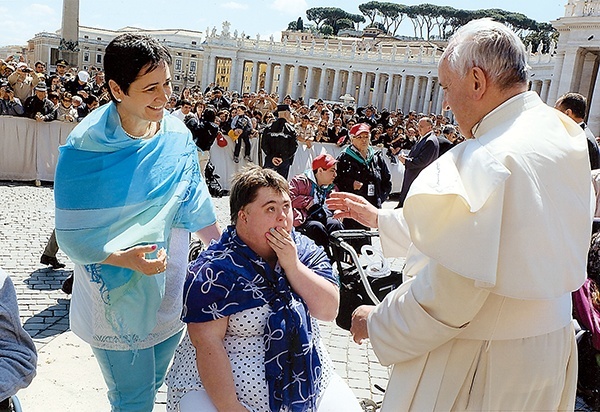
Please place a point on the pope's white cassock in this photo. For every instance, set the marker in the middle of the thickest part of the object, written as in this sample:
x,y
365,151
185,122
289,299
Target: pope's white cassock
x,y
496,234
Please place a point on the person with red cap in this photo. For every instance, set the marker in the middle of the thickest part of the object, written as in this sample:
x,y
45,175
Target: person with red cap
x,y
362,170
308,192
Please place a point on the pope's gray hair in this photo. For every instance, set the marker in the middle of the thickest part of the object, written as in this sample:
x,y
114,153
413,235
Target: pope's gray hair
x,y
492,47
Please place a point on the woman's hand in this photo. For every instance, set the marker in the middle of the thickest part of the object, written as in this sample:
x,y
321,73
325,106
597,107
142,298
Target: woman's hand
x,y
135,259
277,161
357,185
284,246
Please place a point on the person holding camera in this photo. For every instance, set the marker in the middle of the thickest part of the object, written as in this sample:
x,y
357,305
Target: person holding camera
x,y
9,104
23,81
263,103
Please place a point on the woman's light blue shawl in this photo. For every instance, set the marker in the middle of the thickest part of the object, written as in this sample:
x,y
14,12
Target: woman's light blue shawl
x,y
112,193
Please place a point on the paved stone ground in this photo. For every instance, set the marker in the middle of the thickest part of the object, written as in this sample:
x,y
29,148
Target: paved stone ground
x,y
68,376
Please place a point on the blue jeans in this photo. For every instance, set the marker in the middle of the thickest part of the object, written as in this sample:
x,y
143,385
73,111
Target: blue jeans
x,y
132,387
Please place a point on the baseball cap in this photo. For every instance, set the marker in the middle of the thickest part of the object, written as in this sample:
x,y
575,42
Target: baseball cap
x,y
359,128
83,76
323,161
41,87
62,62
21,65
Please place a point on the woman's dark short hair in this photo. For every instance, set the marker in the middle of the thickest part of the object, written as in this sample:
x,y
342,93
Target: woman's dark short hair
x,y
131,55
245,186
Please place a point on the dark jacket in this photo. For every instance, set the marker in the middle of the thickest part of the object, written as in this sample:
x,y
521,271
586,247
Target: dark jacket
x,y
444,144
423,153
45,107
279,140
372,171
204,133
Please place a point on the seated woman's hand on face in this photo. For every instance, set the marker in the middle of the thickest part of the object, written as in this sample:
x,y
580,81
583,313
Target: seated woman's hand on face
x,y
282,243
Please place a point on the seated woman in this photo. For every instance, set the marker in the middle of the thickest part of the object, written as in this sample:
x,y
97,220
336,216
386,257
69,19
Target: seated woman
x,y
249,302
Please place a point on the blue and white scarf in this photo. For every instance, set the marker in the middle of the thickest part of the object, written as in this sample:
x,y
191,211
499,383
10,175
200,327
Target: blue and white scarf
x,y
112,193
228,278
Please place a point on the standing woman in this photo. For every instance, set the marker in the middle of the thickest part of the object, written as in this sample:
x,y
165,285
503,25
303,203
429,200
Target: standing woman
x,y
128,192
362,170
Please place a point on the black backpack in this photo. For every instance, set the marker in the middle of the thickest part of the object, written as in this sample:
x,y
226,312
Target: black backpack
x,y
212,181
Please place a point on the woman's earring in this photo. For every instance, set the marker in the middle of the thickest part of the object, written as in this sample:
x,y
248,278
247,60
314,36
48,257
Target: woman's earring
x,y
118,100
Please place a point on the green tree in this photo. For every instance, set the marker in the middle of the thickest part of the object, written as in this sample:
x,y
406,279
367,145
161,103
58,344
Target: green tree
x,y
326,29
331,16
545,34
369,10
300,24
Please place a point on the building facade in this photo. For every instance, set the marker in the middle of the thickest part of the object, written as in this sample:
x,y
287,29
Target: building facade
x,y
184,45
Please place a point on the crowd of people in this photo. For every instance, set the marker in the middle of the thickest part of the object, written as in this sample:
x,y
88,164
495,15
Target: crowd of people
x,y
244,116
66,95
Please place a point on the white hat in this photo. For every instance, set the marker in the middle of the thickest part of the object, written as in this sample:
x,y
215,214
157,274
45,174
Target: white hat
x,y
83,76
21,64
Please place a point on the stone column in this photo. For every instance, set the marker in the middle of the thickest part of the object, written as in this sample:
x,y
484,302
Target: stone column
x,y
212,70
390,92
284,79
400,100
375,101
594,109
559,61
295,93
425,105
351,87
269,77
323,83
439,108
545,89
254,82
205,68
310,78
588,71
237,74
363,92
571,71
335,91
414,98
69,39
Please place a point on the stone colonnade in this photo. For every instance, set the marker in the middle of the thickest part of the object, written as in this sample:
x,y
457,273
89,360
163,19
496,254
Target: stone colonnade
x,y
394,77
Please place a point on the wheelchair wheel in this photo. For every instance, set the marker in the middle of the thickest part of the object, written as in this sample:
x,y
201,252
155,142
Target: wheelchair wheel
x,y
196,247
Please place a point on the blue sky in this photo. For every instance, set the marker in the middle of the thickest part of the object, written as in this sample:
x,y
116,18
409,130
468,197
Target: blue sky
x,y
21,20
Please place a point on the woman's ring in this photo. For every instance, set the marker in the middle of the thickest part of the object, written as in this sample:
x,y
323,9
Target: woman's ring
x,y
157,270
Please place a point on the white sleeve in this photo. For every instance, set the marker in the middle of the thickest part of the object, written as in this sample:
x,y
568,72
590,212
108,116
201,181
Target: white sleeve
x,y
423,314
393,232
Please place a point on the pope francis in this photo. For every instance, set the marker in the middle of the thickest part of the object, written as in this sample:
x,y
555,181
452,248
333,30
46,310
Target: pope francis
x,y
496,234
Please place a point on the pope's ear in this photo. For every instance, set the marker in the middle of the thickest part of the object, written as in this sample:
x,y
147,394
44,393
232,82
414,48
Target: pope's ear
x,y
478,82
